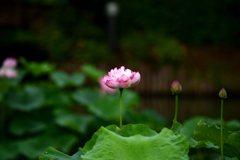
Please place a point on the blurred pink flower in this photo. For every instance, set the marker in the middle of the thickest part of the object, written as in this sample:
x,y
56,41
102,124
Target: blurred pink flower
x,y
8,68
8,72
10,62
121,78
105,89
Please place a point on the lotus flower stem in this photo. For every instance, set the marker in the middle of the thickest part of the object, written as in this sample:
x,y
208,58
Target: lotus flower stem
x,y
222,129
121,78
176,88
121,90
176,107
222,94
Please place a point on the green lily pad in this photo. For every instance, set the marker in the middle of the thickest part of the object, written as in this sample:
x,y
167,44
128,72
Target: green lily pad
x,y
135,142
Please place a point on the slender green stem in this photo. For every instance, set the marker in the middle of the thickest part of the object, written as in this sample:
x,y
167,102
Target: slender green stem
x,y
2,122
222,129
176,107
121,90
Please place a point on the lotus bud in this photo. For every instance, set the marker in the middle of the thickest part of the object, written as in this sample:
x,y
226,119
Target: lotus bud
x,y
223,94
176,87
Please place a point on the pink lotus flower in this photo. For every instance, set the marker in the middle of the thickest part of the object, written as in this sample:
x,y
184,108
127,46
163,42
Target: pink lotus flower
x,y
121,78
105,89
8,72
10,62
8,68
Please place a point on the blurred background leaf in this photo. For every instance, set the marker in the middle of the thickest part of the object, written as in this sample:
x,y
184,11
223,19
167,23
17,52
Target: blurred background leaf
x,y
28,99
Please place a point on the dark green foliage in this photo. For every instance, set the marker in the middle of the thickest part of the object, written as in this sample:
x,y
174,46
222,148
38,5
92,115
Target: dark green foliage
x,y
53,108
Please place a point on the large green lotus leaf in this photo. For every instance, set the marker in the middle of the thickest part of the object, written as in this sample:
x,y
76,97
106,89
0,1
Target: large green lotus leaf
x,y
85,96
127,131
107,107
25,125
232,147
231,140
204,132
75,122
53,154
129,143
31,98
34,146
189,125
132,130
8,150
